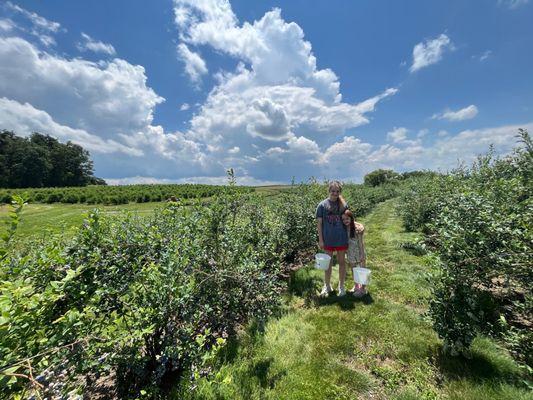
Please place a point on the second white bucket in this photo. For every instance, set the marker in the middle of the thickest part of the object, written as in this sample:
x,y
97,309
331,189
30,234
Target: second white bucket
x,y
362,275
322,261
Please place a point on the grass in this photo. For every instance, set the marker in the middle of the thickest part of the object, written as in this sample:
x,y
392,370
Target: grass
x,y
44,219
377,347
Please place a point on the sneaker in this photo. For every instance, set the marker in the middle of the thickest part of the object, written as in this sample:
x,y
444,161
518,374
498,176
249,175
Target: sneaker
x,y
360,292
325,291
342,292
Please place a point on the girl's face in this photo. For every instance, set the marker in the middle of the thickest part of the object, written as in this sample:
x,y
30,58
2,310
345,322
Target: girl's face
x,y
334,193
346,220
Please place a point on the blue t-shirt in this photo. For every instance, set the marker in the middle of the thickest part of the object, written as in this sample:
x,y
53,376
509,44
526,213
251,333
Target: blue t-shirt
x,y
333,230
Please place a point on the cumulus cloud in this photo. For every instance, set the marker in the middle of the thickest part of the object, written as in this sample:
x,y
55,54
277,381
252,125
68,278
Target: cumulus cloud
x,y
105,98
430,52
459,115
185,107
89,44
106,107
343,154
353,158
195,66
25,119
275,94
397,135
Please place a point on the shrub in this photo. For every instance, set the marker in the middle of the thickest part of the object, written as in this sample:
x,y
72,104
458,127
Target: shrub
x,y
481,223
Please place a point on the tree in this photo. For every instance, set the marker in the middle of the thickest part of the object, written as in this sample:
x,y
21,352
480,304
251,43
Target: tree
x,y
41,160
381,176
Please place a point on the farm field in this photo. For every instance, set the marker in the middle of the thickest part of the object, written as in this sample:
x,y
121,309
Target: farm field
x,y
378,347
40,218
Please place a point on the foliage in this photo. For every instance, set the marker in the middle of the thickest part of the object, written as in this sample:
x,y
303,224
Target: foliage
x,y
17,205
112,195
381,176
480,224
41,161
129,304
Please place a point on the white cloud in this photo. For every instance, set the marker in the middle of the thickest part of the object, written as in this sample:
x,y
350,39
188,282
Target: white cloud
x,y
195,66
430,52
303,145
343,154
512,4
465,113
106,107
207,180
6,25
40,27
89,44
24,119
38,21
105,98
275,94
268,120
397,135
485,55
354,158
422,133
185,107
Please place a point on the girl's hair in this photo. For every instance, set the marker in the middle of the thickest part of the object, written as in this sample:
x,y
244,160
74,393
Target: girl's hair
x,y
352,222
340,200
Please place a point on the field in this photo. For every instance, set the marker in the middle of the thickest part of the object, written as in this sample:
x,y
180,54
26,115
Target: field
x,y
39,219
377,347
217,298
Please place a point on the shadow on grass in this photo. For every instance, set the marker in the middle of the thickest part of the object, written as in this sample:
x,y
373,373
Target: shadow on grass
x,y
261,370
303,281
481,366
346,303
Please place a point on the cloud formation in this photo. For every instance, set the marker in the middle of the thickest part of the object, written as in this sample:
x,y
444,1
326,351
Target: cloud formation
x,y
89,44
430,52
276,93
195,66
40,27
460,115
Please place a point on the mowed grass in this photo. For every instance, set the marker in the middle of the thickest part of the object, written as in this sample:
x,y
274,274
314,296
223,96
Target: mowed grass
x,y
378,347
44,219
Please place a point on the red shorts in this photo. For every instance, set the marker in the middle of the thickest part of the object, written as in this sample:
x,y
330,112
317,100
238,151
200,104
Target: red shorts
x,y
335,248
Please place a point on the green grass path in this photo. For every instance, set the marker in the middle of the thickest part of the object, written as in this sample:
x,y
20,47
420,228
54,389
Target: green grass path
x,y
373,348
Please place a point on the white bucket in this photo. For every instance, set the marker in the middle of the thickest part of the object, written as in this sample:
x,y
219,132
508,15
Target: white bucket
x,y
361,275
322,261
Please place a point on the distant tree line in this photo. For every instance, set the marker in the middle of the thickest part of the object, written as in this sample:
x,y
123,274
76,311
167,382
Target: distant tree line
x,y
42,161
382,176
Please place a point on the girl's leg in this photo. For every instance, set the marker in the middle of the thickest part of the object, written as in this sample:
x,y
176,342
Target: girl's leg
x,y
352,266
327,273
341,256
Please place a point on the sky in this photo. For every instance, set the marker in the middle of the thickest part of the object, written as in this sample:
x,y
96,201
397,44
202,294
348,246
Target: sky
x,y
179,91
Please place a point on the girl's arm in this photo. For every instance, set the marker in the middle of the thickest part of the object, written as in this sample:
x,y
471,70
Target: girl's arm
x,y
359,228
320,237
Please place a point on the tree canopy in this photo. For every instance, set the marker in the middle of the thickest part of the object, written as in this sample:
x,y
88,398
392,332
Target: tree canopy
x,y
42,161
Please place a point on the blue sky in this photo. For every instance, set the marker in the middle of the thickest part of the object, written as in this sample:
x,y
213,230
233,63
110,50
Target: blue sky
x,y
182,90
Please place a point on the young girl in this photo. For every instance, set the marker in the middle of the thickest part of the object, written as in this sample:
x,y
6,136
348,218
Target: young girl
x,y
332,234
356,248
